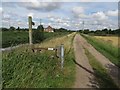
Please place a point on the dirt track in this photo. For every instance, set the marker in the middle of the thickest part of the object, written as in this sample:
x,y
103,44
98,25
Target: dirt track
x,y
83,68
82,75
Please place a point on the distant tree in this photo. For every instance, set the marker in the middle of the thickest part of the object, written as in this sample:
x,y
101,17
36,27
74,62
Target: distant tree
x,y
12,28
91,32
97,32
40,28
117,31
4,29
86,31
18,29
81,31
105,31
60,30
38,35
25,29
109,31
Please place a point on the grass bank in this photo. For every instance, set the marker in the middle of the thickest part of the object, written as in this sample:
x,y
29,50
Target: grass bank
x,y
107,49
24,69
101,76
12,38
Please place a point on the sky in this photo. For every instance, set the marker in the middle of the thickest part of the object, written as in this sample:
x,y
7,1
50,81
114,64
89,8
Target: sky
x,y
69,15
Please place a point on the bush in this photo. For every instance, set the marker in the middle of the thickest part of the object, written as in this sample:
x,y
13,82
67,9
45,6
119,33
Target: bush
x,y
38,36
12,28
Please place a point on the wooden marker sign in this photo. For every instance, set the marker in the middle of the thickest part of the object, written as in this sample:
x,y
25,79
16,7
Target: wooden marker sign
x,y
50,48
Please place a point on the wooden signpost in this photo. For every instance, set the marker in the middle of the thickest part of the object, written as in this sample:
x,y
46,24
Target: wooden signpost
x,y
59,50
30,29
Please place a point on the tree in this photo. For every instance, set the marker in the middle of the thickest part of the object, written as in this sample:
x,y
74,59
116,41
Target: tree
x,y
12,28
109,31
40,28
18,29
81,31
4,29
86,31
97,32
38,35
105,31
60,30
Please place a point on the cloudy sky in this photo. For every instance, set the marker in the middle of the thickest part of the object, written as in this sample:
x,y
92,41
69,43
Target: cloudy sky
x,y
70,15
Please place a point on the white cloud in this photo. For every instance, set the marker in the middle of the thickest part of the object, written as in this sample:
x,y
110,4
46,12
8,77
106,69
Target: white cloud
x,y
6,16
35,3
41,6
57,19
78,10
66,24
99,16
1,12
112,13
83,16
1,9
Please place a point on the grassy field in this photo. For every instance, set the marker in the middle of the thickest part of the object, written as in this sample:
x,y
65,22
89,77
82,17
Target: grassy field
x,y
24,69
12,38
110,39
107,49
103,79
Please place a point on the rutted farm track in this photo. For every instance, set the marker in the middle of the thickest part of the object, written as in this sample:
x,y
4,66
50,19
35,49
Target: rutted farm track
x,y
83,77
84,70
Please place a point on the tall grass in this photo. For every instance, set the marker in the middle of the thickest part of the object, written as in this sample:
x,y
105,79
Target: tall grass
x,y
110,39
108,50
24,69
104,80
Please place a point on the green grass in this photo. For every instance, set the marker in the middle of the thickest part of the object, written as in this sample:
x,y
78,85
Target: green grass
x,y
24,69
102,77
12,38
108,50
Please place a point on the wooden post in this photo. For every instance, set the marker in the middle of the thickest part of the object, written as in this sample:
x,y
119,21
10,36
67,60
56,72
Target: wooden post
x,y
30,29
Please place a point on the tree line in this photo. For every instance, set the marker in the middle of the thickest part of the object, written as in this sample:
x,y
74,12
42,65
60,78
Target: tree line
x,y
40,27
15,29
103,32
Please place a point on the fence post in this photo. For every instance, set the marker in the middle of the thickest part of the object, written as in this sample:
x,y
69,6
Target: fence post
x,y
30,29
62,55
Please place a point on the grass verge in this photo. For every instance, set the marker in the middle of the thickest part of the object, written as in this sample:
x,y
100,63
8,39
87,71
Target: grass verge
x,y
24,69
102,77
105,48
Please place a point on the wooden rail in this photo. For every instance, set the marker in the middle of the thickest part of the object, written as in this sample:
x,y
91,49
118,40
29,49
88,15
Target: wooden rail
x,y
40,49
59,52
